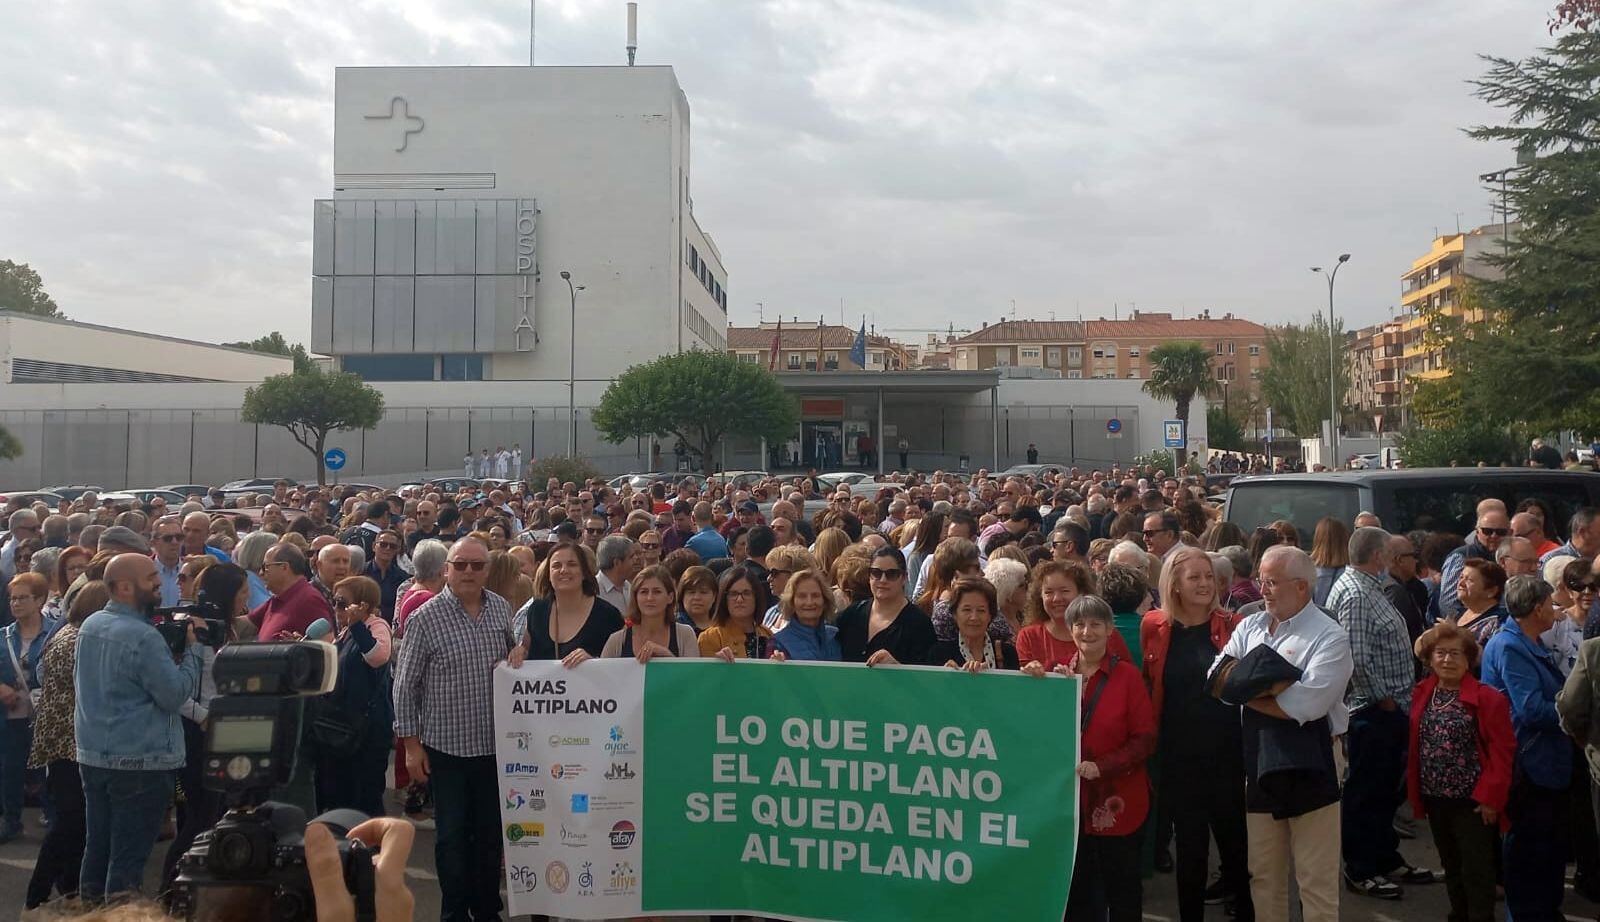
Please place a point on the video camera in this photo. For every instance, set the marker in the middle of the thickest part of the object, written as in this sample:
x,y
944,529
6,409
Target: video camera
x,y
251,865
173,623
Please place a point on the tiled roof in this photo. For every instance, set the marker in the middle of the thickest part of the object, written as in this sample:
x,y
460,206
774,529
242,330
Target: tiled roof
x,y
798,337
1029,331
1144,328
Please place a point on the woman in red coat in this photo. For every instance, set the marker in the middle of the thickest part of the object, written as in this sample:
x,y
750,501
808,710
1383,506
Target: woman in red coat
x,y
1459,774
1118,732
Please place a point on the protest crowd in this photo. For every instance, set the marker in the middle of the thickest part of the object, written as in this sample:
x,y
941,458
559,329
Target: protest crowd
x,y
1333,700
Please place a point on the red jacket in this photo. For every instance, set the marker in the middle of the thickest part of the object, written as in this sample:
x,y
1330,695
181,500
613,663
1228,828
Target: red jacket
x,y
1155,638
1497,743
1119,737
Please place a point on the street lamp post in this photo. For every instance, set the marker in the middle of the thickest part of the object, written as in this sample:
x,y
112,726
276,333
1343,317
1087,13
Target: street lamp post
x,y
572,368
1333,372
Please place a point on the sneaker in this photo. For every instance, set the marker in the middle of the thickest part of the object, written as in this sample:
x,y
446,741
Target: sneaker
x,y
1217,893
1405,828
1407,874
1379,887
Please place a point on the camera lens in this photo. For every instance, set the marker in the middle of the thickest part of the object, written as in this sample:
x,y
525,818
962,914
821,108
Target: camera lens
x,y
231,852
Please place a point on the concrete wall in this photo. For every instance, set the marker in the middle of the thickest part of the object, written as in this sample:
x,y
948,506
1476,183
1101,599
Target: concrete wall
x,y
23,337
140,435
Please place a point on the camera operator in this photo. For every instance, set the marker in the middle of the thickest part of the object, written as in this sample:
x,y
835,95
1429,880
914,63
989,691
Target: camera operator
x,y
127,725
223,592
353,746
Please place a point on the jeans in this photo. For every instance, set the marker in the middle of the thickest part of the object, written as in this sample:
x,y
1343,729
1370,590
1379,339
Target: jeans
x,y
1106,876
1535,852
60,859
123,811
1373,791
1466,849
467,851
1203,804
16,738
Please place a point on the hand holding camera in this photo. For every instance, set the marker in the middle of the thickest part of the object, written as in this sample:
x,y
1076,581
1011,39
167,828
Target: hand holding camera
x,y
391,838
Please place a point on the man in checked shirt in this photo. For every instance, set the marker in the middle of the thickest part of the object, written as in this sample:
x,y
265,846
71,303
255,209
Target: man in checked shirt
x,y
443,714
1380,713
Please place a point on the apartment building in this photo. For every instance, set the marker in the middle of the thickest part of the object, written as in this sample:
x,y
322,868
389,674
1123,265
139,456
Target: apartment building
x,y
801,344
1121,348
1434,288
1375,357
1052,344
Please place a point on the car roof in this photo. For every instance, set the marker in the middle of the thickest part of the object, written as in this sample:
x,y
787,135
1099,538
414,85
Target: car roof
x,y
1415,474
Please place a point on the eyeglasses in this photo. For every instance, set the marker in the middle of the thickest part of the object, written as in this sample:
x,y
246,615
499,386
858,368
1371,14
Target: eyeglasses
x,y
1583,585
473,565
340,602
391,546
1524,534
1152,532
22,598
1493,532
650,547
889,574
167,539
274,563
594,531
741,595
1405,555
774,571
1439,653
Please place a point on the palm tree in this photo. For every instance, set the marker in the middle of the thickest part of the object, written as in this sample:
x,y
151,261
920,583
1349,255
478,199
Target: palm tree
x,y
1179,371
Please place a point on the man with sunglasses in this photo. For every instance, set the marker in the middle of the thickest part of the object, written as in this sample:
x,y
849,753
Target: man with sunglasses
x,y
24,525
1494,526
443,698
295,603
168,545
1407,593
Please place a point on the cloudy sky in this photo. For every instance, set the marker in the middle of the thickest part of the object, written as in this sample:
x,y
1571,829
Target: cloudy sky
x,y
930,162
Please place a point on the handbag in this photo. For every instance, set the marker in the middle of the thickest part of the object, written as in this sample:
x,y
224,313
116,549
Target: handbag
x,y
335,731
21,708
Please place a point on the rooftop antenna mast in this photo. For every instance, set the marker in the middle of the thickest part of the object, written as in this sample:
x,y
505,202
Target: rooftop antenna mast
x,y
533,14
633,31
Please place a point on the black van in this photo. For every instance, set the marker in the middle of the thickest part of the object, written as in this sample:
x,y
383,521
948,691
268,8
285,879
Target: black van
x,y
1432,499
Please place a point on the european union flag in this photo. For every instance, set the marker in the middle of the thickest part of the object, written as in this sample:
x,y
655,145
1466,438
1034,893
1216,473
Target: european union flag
x,y
858,352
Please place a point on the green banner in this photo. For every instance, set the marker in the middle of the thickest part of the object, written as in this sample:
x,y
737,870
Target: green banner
x,y
815,791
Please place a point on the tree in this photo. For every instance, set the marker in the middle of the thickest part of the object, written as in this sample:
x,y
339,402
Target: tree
x,y
699,398
1579,14
1535,359
22,290
565,468
10,445
1295,382
1178,372
1223,431
311,404
274,344
1464,442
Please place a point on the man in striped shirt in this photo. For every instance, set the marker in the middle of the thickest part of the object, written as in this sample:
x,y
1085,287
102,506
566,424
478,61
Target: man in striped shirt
x,y
443,703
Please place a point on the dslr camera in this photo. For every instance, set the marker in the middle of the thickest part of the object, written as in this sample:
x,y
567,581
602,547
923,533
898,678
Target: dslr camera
x,y
251,865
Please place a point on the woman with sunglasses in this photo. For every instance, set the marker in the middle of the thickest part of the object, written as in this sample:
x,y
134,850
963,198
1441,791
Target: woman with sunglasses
x,y
570,622
649,544
653,629
353,755
736,631
1582,586
886,629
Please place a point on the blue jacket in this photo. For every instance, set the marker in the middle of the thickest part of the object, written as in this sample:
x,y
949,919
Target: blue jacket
x,y
708,544
29,657
817,644
129,692
1524,670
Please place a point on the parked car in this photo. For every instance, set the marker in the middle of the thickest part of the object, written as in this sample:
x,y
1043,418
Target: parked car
x,y
1033,470
237,488
451,485
186,489
29,497
145,494
1435,499
670,478
73,492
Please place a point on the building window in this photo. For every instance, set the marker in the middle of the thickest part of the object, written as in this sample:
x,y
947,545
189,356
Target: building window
x,y
406,367
467,367
1052,356
1255,349
1104,350
1030,353
1002,358
1219,348
750,358
1230,347
1133,352
1074,355
794,361
1074,375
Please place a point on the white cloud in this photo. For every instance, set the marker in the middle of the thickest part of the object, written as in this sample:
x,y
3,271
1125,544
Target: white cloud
x,y
926,161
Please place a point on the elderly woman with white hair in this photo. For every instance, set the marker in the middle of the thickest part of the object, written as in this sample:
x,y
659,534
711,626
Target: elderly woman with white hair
x,y
1010,581
251,554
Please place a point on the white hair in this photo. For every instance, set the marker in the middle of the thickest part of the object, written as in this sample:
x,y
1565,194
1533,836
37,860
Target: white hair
x,y
1006,575
1296,563
1128,554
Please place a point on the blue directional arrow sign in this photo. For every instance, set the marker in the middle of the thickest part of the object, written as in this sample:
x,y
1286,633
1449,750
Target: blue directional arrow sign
x,y
1113,425
334,458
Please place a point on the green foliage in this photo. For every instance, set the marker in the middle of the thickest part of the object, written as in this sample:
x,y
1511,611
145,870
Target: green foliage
x,y
10,445
565,468
1437,403
22,290
1295,381
1465,442
311,404
1535,360
1224,432
1161,459
274,344
698,397
1179,371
